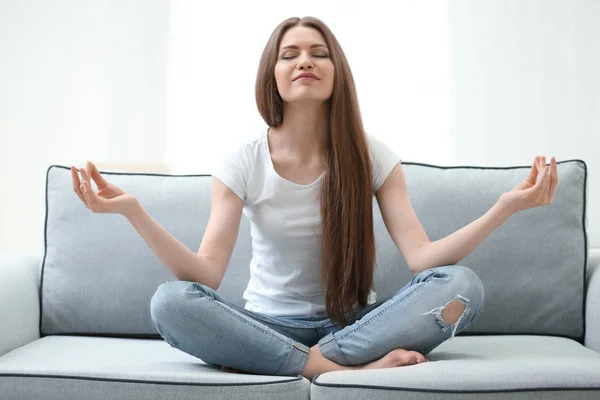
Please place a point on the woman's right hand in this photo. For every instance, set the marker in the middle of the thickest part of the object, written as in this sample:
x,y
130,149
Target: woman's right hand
x,y
109,199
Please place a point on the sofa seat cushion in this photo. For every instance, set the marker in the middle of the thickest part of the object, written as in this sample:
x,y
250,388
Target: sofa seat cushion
x,y
478,367
78,367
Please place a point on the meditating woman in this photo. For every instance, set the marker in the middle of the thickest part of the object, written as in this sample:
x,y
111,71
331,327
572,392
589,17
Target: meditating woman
x,y
306,183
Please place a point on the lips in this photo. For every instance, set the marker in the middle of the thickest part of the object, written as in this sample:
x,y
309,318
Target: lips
x,y
306,75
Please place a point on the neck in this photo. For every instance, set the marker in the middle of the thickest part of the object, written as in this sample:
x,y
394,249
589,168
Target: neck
x,y
304,132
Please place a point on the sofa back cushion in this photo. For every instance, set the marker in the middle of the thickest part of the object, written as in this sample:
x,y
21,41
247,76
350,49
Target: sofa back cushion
x,y
98,274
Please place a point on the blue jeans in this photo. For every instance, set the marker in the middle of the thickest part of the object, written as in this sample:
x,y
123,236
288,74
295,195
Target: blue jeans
x,y
199,321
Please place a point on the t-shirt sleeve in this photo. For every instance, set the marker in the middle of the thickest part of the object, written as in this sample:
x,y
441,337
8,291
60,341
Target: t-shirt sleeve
x,y
383,159
233,171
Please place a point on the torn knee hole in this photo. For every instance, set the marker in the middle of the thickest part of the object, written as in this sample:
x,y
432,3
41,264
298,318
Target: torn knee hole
x,y
452,312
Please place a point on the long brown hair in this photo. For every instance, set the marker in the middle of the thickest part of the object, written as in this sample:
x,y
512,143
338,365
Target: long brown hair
x,y
348,245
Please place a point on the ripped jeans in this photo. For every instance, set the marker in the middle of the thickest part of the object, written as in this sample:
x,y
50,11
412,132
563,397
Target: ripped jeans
x,y
199,321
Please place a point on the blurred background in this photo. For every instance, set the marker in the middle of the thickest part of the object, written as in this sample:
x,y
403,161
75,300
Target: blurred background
x,y
168,86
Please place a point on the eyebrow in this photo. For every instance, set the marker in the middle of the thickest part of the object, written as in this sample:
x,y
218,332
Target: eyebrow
x,y
293,46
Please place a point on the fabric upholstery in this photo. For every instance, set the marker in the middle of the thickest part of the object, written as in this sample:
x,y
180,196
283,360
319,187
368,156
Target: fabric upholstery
x,y
592,310
477,367
19,300
74,368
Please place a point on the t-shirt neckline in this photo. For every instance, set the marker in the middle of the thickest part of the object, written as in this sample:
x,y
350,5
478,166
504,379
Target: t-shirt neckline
x,y
274,172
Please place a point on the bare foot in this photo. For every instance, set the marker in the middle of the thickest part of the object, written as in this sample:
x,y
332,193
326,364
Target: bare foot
x,y
395,358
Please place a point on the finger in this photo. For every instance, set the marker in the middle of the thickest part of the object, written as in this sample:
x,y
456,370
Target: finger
x,y
548,181
541,167
544,177
99,179
539,191
85,191
77,184
553,178
543,162
544,185
85,178
533,172
75,176
85,194
88,173
92,198
84,175
540,178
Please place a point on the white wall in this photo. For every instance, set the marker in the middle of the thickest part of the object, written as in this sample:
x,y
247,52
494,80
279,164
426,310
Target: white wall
x,y
79,80
490,82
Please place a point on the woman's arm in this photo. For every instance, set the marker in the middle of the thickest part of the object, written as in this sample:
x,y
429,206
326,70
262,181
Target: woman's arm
x,y
178,258
209,264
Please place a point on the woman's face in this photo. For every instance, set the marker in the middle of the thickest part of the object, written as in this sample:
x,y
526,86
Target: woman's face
x,y
311,55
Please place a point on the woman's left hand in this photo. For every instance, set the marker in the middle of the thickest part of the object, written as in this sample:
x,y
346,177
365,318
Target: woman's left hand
x,y
528,193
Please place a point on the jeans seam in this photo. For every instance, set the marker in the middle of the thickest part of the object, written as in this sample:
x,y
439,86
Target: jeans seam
x,y
289,355
299,348
342,353
285,325
384,310
330,339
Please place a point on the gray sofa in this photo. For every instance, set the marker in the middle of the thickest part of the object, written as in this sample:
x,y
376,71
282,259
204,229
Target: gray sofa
x,y
75,320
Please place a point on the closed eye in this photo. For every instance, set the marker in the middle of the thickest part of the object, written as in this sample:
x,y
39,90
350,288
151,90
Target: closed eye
x,y
286,58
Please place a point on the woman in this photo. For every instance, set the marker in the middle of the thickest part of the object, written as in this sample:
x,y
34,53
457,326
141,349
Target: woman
x,y
307,185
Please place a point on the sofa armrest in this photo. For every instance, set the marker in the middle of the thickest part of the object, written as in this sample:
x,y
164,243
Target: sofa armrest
x,y
19,300
592,305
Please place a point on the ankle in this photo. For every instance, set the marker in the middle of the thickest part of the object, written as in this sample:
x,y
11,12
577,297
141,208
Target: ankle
x,y
318,364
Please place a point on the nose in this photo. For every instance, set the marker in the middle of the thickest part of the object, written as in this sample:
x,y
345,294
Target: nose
x,y
304,60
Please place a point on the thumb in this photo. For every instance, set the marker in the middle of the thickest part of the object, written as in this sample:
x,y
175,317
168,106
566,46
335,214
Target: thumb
x,y
95,202
95,175
99,179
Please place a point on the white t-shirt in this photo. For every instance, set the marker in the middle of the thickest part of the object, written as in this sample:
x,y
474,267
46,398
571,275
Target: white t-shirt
x,y
285,268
